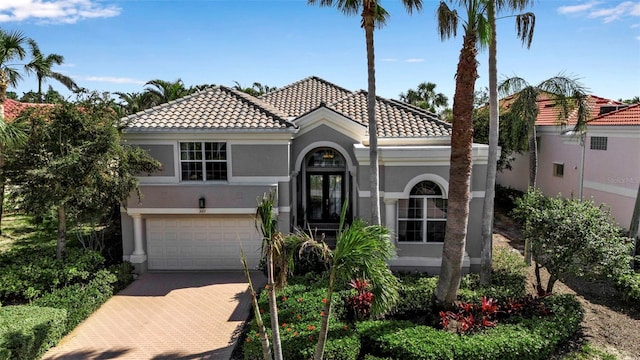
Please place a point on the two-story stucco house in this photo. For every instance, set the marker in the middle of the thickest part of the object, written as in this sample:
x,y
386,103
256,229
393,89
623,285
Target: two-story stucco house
x,y
602,164
221,149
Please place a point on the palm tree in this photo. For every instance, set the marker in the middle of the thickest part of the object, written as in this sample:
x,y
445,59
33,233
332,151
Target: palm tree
x,y
525,25
257,89
567,95
425,96
135,101
11,49
41,66
272,245
362,251
161,91
461,142
373,15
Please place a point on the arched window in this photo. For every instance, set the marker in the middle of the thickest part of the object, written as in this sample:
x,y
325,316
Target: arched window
x,y
422,217
325,158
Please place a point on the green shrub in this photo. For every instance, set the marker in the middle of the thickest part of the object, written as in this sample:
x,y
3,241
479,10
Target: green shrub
x,y
416,293
522,339
124,275
26,275
26,332
80,300
629,287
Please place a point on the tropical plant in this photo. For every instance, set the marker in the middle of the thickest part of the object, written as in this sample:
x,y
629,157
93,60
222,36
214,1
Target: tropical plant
x,y
425,97
525,24
162,91
475,29
50,97
361,252
264,340
73,161
272,244
567,96
257,89
373,15
135,101
42,65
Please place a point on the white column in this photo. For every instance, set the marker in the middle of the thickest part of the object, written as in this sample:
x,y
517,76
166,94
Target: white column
x,y
390,214
138,255
294,199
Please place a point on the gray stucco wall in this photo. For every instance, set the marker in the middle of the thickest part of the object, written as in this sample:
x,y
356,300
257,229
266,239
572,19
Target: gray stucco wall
x,y
127,233
321,133
187,195
260,160
164,154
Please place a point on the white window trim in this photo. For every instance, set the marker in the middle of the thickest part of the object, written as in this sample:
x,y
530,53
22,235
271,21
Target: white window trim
x,y
203,161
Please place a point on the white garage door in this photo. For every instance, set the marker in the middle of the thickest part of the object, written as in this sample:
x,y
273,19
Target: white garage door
x,y
201,243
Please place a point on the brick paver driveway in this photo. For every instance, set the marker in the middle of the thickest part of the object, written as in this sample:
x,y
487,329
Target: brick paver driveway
x,y
185,315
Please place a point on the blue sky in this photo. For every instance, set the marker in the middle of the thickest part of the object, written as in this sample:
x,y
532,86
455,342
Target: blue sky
x,y
118,45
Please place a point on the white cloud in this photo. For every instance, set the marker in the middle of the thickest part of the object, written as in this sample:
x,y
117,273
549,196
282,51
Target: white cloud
x,y
114,80
603,10
414,60
55,11
572,9
627,8
635,26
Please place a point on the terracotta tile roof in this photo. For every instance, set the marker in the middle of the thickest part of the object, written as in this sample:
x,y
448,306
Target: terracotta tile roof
x,y
13,108
305,95
548,114
215,108
629,115
395,119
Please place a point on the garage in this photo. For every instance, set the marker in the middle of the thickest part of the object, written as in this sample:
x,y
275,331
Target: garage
x,y
201,242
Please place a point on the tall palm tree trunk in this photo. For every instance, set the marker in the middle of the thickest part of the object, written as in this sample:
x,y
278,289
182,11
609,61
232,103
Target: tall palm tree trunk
x,y
492,161
3,97
459,173
368,18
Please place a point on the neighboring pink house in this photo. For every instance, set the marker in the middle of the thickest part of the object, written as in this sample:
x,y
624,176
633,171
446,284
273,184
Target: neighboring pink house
x,y
606,169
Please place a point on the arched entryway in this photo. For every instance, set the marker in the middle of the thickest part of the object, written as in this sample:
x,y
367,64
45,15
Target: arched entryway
x,y
325,185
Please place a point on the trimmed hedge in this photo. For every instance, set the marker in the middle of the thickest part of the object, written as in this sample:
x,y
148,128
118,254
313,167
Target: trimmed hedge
x,y
27,275
26,332
523,339
80,300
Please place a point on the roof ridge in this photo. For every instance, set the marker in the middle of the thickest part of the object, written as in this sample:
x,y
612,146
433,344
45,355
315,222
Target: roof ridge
x,y
262,105
312,77
418,110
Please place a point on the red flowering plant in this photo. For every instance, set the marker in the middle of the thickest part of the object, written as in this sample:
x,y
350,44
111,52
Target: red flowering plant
x,y
359,304
470,317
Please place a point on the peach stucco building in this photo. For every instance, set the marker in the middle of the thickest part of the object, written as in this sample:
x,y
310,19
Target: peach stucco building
x,y
603,163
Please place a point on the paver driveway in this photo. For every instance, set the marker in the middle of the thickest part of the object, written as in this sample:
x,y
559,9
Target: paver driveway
x,y
185,315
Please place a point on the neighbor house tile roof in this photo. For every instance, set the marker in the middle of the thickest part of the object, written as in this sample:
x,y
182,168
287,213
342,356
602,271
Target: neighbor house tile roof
x,y
393,118
629,115
548,113
305,95
219,108
13,108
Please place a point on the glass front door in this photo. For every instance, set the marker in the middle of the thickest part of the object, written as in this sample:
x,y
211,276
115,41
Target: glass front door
x,y
325,196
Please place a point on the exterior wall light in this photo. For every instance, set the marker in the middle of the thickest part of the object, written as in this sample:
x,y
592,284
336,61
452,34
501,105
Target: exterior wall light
x,y
202,203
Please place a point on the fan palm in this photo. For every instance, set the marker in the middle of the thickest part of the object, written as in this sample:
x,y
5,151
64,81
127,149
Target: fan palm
x,y
135,101
425,96
41,66
525,25
373,15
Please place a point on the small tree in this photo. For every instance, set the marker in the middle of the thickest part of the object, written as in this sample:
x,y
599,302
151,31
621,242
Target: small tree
x,y
570,237
73,161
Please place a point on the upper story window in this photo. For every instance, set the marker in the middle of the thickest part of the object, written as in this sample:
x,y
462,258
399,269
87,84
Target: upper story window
x,y
203,161
422,217
598,143
326,158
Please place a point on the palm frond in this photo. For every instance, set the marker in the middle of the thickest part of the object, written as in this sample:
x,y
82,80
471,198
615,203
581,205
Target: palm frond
x,y
525,24
447,21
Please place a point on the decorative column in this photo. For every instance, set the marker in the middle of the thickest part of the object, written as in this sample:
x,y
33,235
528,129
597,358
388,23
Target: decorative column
x,y
137,256
294,199
390,214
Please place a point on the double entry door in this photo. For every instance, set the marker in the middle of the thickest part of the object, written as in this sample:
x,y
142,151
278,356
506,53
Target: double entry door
x,y
325,196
